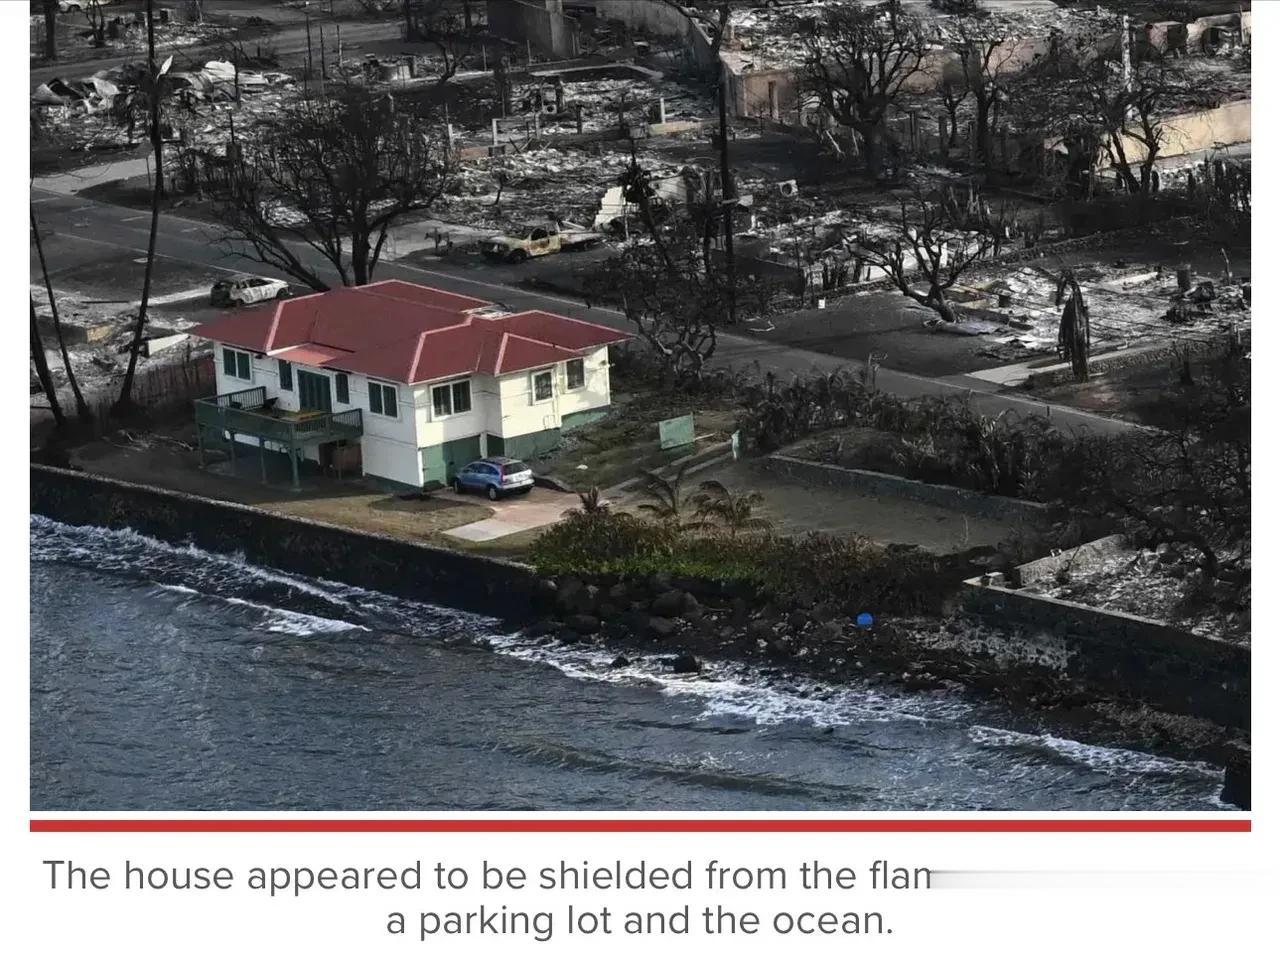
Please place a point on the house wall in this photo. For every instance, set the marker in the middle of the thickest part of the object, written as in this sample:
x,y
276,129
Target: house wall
x,y
389,447
393,448
543,25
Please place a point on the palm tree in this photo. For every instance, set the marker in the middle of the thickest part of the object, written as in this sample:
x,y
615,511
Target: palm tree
x,y
717,505
592,503
668,502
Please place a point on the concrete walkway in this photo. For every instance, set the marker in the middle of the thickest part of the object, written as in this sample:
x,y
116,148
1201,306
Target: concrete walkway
x,y
73,181
517,514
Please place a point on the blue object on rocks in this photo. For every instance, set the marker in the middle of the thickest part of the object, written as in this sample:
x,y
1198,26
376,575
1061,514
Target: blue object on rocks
x,y
866,620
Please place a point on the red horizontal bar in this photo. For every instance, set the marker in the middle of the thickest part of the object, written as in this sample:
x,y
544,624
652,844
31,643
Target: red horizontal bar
x,y
642,825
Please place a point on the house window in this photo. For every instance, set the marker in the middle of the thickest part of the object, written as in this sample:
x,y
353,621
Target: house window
x,y
286,375
575,375
236,363
342,387
451,398
542,386
383,400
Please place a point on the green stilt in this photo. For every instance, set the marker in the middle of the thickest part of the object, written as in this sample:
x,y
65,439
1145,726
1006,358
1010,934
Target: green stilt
x,y
200,443
262,457
293,462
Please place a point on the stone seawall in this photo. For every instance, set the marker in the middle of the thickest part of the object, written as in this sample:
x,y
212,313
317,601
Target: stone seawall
x,y
398,567
886,484
1130,655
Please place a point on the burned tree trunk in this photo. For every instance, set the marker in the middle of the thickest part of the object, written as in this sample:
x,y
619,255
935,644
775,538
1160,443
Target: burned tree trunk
x,y
42,370
1073,330
82,408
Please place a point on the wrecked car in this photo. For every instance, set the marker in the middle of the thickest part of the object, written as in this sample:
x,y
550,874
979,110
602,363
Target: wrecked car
x,y
521,244
243,290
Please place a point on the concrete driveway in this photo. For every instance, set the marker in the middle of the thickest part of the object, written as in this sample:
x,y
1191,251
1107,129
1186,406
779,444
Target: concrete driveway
x,y
513,514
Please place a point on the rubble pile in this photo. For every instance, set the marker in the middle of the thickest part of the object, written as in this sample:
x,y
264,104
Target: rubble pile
x,y
97,335
1126,308
535,183
1150,583
94,112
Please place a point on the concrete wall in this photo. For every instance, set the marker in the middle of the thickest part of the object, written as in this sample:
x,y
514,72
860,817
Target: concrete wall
x,y
542,25
886,484
662,20
1132,656
1201,130
401,568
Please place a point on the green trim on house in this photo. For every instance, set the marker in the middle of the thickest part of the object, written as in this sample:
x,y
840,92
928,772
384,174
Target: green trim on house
x,y
529,445
495,445
433,466
572,421
458,453
441,461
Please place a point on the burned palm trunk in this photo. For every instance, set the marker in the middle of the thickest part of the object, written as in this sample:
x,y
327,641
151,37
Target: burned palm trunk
x,y
42,370
1073,330
82,408
124,404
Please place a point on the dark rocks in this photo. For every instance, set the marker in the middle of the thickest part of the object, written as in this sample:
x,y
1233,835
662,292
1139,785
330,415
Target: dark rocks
x,y
673,602
583,623
619,593
661,627
544,594
778,649
685,663
1236,784
798,620
828,633
572,596
543,627
620,662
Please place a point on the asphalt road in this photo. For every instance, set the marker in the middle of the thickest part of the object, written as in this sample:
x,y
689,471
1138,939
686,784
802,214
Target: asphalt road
x,y
116,229
289,43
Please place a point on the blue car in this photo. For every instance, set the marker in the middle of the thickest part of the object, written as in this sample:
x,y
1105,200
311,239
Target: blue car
x,y
495,477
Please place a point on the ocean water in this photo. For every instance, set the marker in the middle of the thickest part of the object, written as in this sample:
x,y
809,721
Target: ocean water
x,y
167,678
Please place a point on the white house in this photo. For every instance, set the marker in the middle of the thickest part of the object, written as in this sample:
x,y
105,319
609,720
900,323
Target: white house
x,y
421,381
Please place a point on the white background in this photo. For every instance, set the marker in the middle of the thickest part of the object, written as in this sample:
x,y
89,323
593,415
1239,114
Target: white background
x,y
1163,895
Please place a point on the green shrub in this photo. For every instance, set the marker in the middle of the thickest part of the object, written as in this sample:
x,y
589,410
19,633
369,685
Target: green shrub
x,y
849,570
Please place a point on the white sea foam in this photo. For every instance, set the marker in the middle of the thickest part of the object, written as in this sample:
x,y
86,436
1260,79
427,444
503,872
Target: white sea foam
x,y
1103,759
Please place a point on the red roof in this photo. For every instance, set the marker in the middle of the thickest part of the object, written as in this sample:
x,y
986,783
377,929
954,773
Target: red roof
x,y
406,333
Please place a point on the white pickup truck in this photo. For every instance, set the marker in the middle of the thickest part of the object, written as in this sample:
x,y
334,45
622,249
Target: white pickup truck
x,y
519,245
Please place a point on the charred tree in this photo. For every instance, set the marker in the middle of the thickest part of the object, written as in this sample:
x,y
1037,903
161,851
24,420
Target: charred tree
x,y
1073,330
926,248
124,405
857,65
41,363
335,175
50,10
83,412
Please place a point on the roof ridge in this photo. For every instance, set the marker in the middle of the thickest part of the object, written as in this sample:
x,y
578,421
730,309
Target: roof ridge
x,y
502,352
417,357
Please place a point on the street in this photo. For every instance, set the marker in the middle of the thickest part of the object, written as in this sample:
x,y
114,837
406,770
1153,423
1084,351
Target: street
x,y
81,231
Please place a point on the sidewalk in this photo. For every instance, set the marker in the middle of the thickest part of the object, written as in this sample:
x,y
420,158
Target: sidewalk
x,y
73,181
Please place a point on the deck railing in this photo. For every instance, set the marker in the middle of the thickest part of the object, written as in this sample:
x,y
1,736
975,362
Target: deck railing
x,y
247,412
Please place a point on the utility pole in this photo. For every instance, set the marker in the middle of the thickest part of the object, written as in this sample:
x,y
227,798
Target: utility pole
x,y
310,67
727,195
